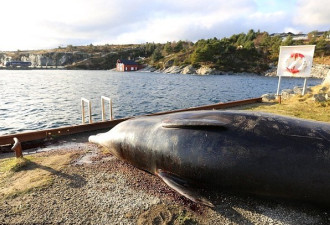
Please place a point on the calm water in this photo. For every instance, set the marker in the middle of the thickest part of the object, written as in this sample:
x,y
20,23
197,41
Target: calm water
x,y
39,99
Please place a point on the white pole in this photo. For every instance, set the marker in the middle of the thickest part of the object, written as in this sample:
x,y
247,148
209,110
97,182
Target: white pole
x,y
110,108
83,111
103,108
304,88
89,104
278,86
103,111
90,111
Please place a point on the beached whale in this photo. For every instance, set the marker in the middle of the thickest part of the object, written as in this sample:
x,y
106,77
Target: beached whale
x,y
236,151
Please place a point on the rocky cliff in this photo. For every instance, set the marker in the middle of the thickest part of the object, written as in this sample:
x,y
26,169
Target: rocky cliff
x,y
49,59
72,60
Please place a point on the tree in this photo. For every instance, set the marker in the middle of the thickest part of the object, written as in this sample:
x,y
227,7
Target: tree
x,y
168,48
251,35
241,39
312,37
264,42
275,44
178,47
249,45
69,48
288,41
156,55
149,48
321,46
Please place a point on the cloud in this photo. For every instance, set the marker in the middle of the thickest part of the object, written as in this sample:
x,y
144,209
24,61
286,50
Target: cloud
x,y
38,24
315,14
192,20
270,21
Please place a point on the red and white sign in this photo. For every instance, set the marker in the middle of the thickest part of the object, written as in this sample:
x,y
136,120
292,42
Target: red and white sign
x,y
295,61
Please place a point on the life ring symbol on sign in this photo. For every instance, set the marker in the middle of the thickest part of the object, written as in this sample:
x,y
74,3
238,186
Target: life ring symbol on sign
x,y
295,63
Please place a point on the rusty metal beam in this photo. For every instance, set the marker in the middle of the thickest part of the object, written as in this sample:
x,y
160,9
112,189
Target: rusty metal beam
x,y
43,134
61,131
214,106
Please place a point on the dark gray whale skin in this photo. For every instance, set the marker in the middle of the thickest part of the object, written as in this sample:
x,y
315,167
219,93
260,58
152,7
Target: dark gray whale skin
x,y
236,151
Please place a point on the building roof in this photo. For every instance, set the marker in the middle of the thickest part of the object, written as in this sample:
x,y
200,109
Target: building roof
x,y
127,62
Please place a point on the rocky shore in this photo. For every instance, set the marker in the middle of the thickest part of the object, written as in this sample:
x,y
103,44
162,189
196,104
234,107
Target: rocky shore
x,y
322,95
204,70
318,70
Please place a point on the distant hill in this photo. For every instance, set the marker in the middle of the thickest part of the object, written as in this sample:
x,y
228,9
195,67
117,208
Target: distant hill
x,y
77,57
252,52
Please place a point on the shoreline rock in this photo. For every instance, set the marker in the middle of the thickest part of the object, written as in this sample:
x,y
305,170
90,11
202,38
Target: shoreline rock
x,y
188,70
203,70
323,94
326,81
319,71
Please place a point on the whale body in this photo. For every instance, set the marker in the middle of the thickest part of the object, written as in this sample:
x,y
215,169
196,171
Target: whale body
x,y
236,151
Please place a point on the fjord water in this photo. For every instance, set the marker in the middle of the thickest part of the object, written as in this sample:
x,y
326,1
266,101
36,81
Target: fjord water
x,y
40,99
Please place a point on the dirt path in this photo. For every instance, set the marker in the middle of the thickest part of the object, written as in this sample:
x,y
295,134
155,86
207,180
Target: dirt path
x,y
99,189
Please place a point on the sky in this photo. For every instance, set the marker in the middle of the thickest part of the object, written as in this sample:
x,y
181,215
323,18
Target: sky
x,y
42,24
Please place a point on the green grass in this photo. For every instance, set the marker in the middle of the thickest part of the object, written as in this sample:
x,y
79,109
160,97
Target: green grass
x,y
21,175
14,164
299,106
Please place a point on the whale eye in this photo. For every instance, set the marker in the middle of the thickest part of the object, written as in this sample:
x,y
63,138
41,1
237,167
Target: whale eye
x,y
193,123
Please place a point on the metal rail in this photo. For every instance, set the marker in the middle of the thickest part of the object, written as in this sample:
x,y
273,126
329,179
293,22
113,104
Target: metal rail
x,y
89,104
103,107
44,134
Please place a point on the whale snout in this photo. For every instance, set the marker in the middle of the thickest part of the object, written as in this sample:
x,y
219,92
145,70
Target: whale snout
x,y
96,139
92,139
108,140
103,139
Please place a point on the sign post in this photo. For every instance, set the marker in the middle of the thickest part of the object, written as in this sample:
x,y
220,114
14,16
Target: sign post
x,y
295,61
278,86
304,88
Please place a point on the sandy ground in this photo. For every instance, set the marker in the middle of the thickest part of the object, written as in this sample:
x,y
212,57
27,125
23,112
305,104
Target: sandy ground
x,y
97,188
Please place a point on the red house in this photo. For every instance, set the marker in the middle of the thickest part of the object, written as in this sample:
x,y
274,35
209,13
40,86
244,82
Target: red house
x,y
127,65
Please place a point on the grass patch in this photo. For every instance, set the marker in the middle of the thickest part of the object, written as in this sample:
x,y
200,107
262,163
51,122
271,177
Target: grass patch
x,y
19,176
13,164
298,106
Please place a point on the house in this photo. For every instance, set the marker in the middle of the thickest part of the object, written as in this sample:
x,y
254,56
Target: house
x,y
300,36
127,65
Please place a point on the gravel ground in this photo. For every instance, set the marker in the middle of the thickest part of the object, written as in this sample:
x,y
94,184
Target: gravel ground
x,y
96,188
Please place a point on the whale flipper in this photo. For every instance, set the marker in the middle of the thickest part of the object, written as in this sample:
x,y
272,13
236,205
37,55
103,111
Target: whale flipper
x,y
183,187
193,123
